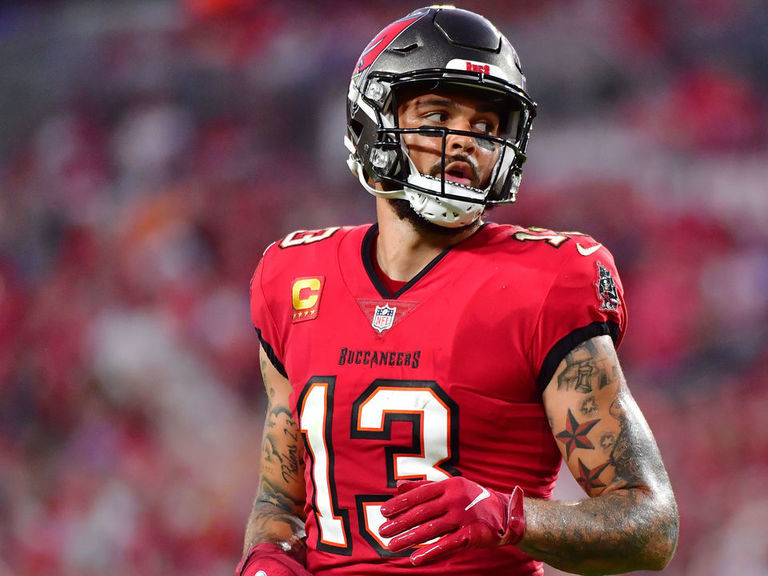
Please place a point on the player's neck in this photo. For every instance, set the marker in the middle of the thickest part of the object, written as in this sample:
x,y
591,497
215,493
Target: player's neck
x,y
402,251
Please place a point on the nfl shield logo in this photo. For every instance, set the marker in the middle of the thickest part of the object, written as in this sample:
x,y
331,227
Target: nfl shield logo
x,y
383,317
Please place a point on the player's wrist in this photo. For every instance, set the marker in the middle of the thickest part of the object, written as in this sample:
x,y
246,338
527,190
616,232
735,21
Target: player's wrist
x,y
270,559
515,522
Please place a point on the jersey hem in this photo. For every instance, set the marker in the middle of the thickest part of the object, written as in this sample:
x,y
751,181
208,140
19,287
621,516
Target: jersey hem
x,y
566,344
270,352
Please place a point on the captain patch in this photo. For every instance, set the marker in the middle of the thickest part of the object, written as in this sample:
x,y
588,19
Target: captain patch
x,y
305,298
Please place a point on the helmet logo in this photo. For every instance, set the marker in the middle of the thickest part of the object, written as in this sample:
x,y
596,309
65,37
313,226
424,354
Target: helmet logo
x,y
482,68
381,41
474,66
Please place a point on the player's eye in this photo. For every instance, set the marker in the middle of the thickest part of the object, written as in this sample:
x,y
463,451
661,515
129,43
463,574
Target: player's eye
x,y
436,117
485,126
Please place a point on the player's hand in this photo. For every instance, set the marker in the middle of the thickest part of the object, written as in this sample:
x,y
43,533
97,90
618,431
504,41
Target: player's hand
x,y
458,511
268,559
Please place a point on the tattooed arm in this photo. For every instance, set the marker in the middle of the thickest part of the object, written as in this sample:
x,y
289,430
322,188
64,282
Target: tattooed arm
x,y
278,510
630,521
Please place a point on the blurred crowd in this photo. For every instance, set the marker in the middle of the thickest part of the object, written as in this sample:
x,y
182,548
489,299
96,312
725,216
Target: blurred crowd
x,y
151,150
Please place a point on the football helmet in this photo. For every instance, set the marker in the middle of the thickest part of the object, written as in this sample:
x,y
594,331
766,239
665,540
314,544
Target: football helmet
x,y
439,48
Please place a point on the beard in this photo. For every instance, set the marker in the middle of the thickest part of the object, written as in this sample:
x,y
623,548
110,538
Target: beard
x,y
405,211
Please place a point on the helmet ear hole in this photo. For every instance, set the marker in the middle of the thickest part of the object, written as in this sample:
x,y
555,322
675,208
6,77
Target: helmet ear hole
x,y
383,159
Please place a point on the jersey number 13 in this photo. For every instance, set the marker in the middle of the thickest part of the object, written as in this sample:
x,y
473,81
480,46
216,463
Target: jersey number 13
x,y
431,455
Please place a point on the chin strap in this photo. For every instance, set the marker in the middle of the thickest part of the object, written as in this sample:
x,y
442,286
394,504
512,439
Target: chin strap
x,y
439,210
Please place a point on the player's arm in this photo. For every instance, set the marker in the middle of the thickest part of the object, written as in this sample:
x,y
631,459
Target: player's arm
x,y
630,521
277,516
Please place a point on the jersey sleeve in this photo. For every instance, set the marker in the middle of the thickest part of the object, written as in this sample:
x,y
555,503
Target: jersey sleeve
x,y
262,316
586,299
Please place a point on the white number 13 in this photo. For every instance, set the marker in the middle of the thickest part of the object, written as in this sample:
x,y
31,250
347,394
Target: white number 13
x,y
434,417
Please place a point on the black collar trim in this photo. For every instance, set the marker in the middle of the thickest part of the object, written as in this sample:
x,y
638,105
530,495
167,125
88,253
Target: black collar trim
x,y
367,253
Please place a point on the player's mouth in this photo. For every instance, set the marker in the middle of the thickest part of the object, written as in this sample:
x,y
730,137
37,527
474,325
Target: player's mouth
x,y
460,172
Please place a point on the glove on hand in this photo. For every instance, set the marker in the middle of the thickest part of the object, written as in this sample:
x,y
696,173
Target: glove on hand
x,y
268,559
458,511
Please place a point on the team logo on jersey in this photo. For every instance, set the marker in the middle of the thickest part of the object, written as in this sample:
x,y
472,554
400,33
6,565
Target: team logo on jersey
x,y
606,289
305,298
383,317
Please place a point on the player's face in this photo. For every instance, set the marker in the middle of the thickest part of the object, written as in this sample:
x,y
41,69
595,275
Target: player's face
x,y
469,161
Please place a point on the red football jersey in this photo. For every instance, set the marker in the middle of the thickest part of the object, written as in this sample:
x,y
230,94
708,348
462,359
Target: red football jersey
x,y
442,378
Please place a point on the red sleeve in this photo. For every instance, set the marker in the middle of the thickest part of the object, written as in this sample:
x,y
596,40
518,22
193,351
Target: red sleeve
x,y
586,299
262,317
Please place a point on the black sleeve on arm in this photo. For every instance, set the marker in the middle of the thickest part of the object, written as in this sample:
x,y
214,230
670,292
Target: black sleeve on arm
x,y
568,343
269,351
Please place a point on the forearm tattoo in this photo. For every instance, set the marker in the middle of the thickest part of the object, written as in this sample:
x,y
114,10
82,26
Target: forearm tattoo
x,y
272,521
631,518
278,508
281,428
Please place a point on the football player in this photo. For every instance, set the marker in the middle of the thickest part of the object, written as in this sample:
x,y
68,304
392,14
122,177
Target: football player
x,y
426,375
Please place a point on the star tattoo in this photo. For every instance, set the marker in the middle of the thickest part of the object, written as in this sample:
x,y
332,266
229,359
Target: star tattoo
x,y
590,479
589,406
575,434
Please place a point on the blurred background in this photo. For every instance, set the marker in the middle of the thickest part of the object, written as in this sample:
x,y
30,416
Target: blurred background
x,y
149,152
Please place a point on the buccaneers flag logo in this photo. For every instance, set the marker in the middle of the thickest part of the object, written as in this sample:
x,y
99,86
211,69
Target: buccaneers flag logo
x,y
382,40
606,289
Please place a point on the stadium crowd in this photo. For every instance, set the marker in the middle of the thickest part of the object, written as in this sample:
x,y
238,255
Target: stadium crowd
x,y
150,151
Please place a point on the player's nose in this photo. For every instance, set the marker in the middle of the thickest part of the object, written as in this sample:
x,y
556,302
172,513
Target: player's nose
x,y
456,141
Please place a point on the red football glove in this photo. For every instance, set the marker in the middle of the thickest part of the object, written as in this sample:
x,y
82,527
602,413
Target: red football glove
x,y
458,511
268,559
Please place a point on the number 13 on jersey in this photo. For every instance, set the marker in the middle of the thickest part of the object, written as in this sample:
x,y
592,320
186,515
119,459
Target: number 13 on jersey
x,y
433,451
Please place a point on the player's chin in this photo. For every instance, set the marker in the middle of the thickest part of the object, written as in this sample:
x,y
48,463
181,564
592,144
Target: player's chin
x,y
405,212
